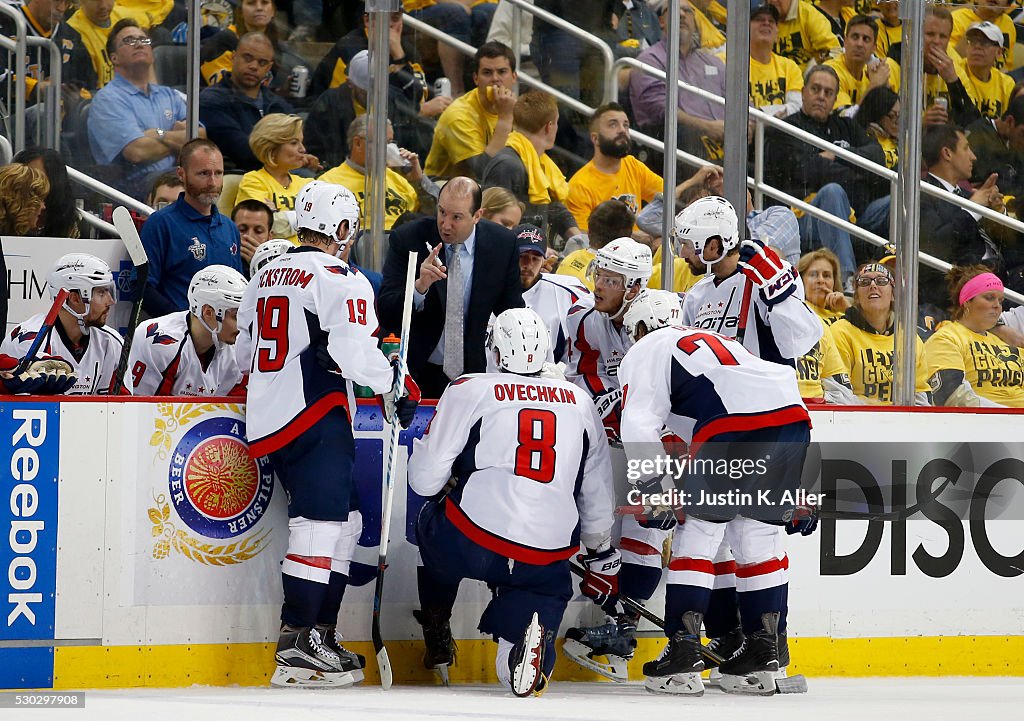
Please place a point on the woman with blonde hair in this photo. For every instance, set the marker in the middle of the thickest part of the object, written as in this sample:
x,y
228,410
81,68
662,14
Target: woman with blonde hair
x,y
823,294
864,339
968,365
276,140
502,207
22,189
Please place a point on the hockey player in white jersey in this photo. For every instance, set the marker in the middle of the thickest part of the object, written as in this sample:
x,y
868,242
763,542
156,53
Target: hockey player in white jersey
x,y
746,279
192,352
514,512
734,408
548,294
778,326
80,335
597,344
306,334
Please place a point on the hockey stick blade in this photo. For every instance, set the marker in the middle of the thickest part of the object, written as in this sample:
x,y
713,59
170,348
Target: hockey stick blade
x,y
902,515
133,244
44,331
390,471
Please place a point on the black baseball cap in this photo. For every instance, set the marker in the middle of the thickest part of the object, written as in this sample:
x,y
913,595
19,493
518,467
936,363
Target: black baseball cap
x,y
530,239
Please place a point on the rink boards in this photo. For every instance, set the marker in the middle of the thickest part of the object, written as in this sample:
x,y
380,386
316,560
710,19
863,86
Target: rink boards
x,y
142,548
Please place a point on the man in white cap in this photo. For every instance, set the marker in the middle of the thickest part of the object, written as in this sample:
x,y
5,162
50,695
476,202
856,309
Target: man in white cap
x,y
306,332
988,87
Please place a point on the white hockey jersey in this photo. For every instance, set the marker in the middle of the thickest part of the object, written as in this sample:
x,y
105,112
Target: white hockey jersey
x,y
531,465
296,302
701,384
163,362
95,370
780,333
551,297
595,348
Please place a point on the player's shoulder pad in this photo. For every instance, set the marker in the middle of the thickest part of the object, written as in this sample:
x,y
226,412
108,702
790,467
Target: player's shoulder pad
x,y
112,334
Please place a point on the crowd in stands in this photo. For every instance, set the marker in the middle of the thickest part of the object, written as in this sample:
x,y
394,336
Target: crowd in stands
x,y
272,120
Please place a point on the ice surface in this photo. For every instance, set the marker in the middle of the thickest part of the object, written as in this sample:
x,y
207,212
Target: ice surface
x,y
830,699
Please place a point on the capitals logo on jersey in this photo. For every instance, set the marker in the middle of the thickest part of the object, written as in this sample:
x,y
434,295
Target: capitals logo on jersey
x,y
158,338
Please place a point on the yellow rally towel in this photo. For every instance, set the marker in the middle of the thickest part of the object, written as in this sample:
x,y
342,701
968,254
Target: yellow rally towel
x,y
547,183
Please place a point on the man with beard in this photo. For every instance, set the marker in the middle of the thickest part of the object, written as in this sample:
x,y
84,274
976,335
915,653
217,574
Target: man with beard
x,y
701,122
80,335
190,233
549,295
614,174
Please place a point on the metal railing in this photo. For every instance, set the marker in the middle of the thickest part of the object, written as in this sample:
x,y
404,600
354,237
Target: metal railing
x,y
19,46
20,49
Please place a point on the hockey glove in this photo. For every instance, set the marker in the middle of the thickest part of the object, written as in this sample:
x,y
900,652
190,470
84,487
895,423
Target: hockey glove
x,y
401,402
802,519
46,376
775,278
655,515
600,575
609,407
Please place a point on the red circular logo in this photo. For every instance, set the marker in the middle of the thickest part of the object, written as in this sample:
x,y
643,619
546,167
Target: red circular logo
x,y
221,478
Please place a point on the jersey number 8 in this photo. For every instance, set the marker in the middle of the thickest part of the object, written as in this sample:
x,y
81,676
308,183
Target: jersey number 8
x,y
535,454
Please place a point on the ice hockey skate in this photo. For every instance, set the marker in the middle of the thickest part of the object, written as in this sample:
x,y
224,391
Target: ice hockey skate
x,y
526,662
755,669
332,639
304,660
677,670
440,647
615,639
725,646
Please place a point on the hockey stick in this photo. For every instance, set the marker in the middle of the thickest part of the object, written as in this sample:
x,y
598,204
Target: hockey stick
x,y
741,329
44,331
383,662
130,237
789,684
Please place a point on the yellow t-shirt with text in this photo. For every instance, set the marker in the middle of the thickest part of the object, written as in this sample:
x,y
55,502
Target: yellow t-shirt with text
x,y
807,36
400,196
821,361
993,368
991,97
576,264
262,186
769,82
867,359
852,90
589,187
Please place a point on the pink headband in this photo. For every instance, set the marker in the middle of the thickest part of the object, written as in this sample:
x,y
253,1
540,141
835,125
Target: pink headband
x,y
979,284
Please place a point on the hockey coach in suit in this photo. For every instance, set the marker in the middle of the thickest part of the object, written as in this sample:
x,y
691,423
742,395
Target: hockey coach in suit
x,y
457,250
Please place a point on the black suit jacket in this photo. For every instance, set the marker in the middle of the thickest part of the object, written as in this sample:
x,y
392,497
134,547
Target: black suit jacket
x,y
495,288
951,234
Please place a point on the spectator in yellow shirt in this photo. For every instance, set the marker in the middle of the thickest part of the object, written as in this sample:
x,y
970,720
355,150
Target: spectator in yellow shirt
x,y
823,293
994,11
858,69
609,220
474,128
864,339
967,364
988,87
276,140
400,193
775,81
93,21
890,30
805,36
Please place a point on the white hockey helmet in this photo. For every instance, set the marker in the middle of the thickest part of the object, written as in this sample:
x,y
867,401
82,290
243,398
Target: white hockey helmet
x,y
81,272
84,273
266,252
219,287
627,257
521,340
706,218
322,207
652,309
